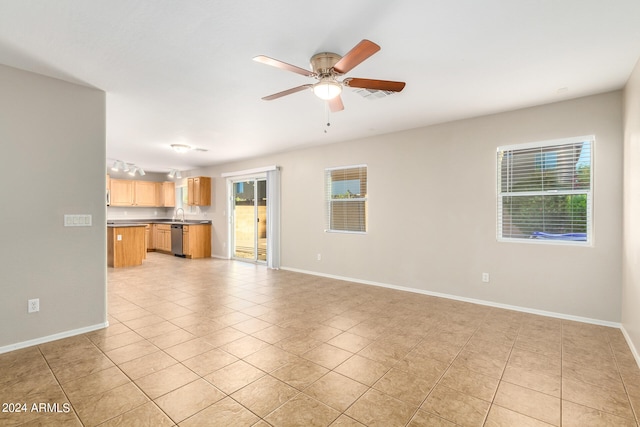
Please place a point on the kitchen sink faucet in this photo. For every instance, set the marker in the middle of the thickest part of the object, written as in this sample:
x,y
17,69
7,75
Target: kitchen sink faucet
x,y
176,214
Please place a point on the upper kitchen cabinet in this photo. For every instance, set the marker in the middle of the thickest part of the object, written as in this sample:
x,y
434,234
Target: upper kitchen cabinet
x,y
146,193
121,192
199,191
127,192
168,194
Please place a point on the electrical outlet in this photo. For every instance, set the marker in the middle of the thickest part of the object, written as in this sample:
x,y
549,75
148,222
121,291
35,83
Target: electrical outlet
x,y
34,305
319,257
485,277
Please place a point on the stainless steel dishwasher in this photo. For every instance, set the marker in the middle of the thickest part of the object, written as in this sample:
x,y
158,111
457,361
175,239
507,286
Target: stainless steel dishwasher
x,y
176,240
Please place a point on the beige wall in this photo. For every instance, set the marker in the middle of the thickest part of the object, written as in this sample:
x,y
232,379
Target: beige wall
x,y
53,155
448,239
631,241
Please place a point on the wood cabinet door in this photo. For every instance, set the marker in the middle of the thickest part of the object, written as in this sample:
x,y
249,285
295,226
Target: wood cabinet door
x,y
190,191
199,191
146,193
167,241
196,191
121,192
162,236
168,194
186,248
205,191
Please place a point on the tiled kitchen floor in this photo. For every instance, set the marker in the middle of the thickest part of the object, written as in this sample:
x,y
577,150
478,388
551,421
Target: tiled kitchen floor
x,y
221,343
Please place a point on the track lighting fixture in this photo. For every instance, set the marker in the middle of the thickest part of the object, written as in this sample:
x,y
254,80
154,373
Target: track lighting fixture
x,y
174,173
119,165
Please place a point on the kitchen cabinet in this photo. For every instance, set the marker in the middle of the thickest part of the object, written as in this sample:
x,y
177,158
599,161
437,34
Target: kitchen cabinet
x,y
199,191
168,194
121,192
196,240
146,193
128,192
162,237
148,230
125,246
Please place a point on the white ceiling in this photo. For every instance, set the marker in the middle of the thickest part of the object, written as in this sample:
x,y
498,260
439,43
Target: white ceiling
x,y
181,71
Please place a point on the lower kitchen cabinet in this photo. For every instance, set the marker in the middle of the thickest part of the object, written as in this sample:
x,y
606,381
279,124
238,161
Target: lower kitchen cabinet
x,y
125,246
162,237
148,230
196,240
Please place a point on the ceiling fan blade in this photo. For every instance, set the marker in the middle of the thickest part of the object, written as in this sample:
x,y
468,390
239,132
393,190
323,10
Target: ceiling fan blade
x,y
335,104
355,56
287,92
283,65
375,84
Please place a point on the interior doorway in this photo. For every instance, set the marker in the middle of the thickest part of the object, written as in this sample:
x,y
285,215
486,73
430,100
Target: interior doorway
x,y
249,217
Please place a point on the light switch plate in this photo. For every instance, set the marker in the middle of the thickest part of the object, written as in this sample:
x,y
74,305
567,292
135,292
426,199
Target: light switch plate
x,y
77,220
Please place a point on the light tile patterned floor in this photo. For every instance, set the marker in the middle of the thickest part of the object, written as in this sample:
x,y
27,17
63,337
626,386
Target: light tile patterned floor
x,y
222,343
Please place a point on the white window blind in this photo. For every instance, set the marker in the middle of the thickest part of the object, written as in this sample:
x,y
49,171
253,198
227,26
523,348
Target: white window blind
x,y
346,199
544,191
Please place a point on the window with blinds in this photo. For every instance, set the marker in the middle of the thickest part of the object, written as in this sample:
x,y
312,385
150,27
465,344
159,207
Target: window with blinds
x,y
346,199
544,191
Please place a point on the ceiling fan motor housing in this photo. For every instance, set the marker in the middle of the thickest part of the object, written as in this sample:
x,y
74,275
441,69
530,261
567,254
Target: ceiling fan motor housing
x,y
322,63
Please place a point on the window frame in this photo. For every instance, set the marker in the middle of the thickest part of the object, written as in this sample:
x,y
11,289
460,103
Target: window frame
x,y
588,192
329,201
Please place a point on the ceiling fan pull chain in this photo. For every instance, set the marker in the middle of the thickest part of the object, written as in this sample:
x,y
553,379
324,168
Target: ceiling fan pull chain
x,y
328,111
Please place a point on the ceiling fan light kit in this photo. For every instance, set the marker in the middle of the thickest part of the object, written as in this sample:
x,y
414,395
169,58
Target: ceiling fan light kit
x,y
327,89
327,66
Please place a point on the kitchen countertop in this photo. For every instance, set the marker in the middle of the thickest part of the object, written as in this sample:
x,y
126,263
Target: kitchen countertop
x,y
124,224
142,222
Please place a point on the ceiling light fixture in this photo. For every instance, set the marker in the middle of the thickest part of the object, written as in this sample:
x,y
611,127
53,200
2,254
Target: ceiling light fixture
x,y
180,148
327,88
119,165
174,173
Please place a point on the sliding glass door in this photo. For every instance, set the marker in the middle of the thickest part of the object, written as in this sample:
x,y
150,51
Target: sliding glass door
x,y
249,219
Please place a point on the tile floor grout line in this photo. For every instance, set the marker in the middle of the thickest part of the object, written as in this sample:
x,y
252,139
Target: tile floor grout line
x,y
495,393
442,376
60,384
138,388
624,384
364,311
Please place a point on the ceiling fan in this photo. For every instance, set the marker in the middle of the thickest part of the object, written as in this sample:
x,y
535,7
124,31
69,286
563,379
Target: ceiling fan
x,y
326,67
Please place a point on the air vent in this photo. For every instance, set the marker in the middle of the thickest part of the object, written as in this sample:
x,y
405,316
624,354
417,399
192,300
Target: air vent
x,y
372,93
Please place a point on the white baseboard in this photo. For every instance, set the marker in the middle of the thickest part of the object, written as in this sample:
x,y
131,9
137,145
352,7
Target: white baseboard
x,y
634,349
464,299
48,338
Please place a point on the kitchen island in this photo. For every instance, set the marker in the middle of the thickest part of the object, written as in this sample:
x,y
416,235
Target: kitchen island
x,y
193,240
126,245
